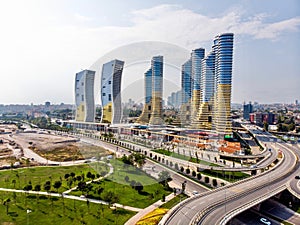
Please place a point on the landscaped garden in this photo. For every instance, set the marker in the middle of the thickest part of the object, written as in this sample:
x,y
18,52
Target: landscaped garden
x,y
127,185
19,209
68,176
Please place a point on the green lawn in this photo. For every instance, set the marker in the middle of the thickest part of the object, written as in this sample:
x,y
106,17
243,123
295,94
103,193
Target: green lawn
x,y
174,201
152,190
39,175
59,211
184,157
228,176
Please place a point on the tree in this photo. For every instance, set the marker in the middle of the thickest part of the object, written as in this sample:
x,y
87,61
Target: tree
x,y
139,187
199,176
37,188
164,177
126,179
88,175
67,176
78,178
6,203
132,183
176,166
14,183
188,171
206,180
214,182
72,174
110,197
57,185
193,173
47,186
181,169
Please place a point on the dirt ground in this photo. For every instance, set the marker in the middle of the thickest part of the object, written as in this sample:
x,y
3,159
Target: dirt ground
x,y
60,148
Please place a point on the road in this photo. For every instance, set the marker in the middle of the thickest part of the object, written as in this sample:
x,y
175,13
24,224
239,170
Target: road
x,y
216,204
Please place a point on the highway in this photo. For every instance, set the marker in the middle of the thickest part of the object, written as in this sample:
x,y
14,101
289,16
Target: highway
x,y
215,205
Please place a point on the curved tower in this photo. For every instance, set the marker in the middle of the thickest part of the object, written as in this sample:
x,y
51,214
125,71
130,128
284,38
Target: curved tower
x,y
84,96
197,56
223,47
111,78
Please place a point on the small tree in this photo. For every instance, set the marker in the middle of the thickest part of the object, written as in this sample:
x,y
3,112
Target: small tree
x,y
181,169
206,180
57,185
6,203
214,182
126,179
199,176
139,187
188,171
67,176
176,166
193,173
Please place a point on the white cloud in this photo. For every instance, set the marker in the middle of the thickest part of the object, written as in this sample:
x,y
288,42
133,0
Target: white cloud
x,y
34,48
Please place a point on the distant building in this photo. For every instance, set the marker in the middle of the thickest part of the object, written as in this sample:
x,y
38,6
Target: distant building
x,y
47,104
111,78
84,96
248,108
296,102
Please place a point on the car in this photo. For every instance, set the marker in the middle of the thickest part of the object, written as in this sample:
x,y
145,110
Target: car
x,y
195,192
297,177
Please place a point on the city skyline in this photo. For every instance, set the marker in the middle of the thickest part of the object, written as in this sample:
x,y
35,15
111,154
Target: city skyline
x,y
46,43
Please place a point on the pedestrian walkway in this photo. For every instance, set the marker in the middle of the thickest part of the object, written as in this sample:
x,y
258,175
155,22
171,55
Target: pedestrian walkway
x,y
133,220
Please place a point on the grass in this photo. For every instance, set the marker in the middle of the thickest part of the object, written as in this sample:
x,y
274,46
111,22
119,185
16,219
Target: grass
x,y
57,211
39,175
228,176
152,190
184,157
174,201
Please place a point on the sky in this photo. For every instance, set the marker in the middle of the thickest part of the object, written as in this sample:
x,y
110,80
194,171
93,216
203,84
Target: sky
x,y
44,43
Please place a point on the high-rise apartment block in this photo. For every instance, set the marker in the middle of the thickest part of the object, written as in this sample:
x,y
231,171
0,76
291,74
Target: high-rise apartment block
x,y
152,112
111,78
212,78
84,96
248,108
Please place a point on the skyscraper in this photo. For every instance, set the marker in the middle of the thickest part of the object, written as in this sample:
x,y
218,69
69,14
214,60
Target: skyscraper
x,y
248,108
111,78
186,92
223,47
157,88
205,111
84,96
196,57
146,113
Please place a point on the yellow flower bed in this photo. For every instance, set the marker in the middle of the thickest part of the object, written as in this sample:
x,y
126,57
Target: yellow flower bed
x,y
153,217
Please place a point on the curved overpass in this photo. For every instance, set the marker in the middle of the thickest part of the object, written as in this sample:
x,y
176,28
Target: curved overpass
x,y
218,206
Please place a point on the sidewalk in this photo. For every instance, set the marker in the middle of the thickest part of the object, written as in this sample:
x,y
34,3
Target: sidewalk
x,y
133,220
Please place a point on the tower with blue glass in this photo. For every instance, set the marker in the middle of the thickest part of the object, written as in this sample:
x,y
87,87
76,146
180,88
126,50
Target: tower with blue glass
x,y
157,90
186,92
223,48
146,113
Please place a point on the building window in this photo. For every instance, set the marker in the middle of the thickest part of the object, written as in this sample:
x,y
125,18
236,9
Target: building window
x,y
149,107
109,82
103,94
109,97
82,108
109,108
103,87
82,97
82,83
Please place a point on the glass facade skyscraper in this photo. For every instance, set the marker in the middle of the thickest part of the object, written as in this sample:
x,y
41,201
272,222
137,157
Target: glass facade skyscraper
x,y
197,56
147,109
223,47
111,78
157,89
84,96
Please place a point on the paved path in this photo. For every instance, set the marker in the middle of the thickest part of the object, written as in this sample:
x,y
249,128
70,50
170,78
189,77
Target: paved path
x,y
133,220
